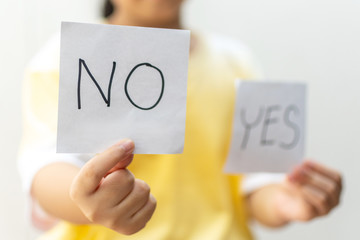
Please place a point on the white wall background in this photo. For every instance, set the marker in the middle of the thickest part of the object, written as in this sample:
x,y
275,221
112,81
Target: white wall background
x,y
316,41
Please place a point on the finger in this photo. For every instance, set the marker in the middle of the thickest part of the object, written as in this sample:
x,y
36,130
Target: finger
x,y
115,187
141,217
299,210
93,171
336,176
120,165
324,184
317,198
136,199
291,205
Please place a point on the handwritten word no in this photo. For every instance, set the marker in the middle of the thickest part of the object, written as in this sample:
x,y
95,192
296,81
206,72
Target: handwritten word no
x,y
107,99
265,115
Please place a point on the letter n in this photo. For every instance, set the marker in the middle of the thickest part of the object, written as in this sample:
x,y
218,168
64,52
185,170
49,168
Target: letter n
x,y
107,100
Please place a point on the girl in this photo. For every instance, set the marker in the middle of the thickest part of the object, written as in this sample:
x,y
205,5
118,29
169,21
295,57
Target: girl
x,y
102,196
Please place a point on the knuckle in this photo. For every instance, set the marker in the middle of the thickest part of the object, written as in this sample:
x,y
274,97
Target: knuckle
x,y
129,178
340,185
324,211
307,216
327,211
332,187
143,187
142,225
94,216
153,202
337,202
323,200
131,229
89,172
74,193
114,224
310,215
125,178
338,179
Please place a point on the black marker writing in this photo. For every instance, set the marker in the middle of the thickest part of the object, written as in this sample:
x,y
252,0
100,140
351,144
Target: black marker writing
x,y
162,85
268,120
248,126
107,100
292,125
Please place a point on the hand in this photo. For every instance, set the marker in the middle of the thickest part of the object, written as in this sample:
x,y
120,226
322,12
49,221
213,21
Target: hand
x,y
311,190
108,194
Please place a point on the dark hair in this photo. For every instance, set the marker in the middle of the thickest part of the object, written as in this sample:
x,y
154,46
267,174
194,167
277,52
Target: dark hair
x,y
108,9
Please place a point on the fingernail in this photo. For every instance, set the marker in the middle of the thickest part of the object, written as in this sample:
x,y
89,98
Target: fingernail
x,y
128,145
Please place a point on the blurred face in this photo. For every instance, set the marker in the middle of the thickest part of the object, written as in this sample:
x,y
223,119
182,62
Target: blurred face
x,y
151,12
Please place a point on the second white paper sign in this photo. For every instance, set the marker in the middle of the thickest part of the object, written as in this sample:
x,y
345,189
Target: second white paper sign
x,y
268,127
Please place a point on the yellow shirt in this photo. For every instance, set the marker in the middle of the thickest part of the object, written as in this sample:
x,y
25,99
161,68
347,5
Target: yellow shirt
x,y
196,200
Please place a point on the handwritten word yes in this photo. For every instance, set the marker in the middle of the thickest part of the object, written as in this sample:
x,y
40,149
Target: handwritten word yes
x,y
266,116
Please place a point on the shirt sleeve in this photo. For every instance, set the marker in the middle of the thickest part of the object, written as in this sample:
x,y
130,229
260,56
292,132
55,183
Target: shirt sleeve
x,y
255,181
40,97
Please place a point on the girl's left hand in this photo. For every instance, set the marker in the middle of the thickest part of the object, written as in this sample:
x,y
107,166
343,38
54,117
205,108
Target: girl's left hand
x,y
311,190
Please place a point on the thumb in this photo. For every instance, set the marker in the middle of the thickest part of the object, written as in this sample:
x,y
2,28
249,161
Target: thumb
x,y
117,156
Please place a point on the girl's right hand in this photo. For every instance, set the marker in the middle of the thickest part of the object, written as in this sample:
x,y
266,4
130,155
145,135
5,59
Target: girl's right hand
x,y
108,194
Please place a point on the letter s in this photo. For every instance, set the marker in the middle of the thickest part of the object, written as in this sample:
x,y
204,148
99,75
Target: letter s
x,y
293,126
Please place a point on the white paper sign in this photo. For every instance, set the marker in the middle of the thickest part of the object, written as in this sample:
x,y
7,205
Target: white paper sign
x,y
122,82
268,127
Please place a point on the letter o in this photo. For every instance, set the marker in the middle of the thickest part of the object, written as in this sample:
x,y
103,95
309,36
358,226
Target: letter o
x,y
162,85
